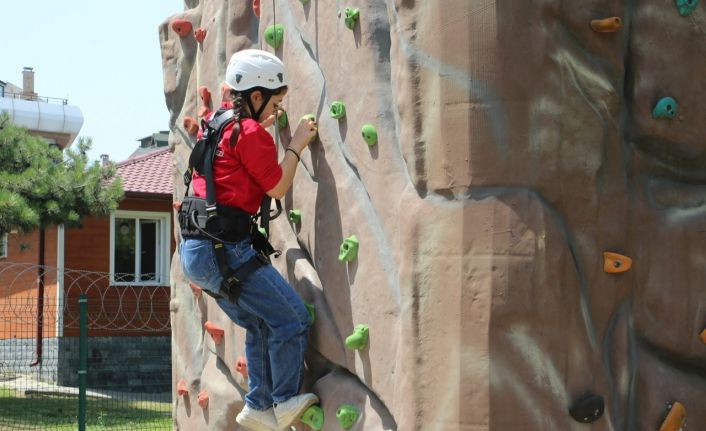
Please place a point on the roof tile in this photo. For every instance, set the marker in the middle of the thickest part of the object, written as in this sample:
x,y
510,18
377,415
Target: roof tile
x,y
150,173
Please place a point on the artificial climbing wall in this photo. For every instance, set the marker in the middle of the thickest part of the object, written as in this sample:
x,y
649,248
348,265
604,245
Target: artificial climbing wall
x,y
530,219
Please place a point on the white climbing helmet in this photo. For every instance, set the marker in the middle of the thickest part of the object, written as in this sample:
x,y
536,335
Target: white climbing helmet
x,y
251,68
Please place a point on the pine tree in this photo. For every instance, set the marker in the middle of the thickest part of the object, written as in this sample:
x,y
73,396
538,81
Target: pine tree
x,y
41,186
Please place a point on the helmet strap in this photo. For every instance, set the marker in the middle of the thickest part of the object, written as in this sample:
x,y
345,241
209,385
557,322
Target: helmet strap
x,y
266,96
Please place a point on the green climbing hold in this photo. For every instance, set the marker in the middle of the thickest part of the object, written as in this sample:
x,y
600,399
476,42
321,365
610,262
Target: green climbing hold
x,y
666,107
349,249
359,338
312,312
282,119
338,110
370,134
314,417
304,1
274,35
295,216
352,15
347,415
686,7
262,231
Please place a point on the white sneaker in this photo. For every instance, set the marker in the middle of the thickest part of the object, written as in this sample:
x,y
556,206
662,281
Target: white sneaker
x,y
257,420
290,410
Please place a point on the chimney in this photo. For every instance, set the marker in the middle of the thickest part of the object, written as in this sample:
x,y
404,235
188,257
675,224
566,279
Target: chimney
x,y
28,83
105,160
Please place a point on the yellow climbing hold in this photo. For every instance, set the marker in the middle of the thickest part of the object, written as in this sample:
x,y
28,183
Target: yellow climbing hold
x,y
614,262
675,418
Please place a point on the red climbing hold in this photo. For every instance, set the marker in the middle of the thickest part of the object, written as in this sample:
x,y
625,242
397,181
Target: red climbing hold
x,y
203,399
182,389
607,25
241,366
256,7
182,27
614,262
191,126
195,289
215,331
675,418
176,205
225,92
206,106
200,34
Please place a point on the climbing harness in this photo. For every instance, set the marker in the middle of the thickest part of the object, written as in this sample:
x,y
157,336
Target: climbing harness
x,y
221,224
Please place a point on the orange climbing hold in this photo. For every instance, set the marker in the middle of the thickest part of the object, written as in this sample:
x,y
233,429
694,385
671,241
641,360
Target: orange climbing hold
x,y
675,418
241,366
614,262
215,331
200,34
182,27
256,7
195,289
607,25
703,336
182,389
191,126
203,399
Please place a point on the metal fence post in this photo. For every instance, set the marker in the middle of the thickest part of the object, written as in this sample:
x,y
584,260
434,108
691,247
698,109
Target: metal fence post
x,y
83,360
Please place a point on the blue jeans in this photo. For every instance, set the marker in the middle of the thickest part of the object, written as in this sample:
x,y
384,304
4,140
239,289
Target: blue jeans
x,y
275,319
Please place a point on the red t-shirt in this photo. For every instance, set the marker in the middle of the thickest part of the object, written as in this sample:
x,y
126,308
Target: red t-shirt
x,y
243,172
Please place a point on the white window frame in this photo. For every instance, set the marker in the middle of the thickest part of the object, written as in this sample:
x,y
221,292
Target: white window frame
x,y
3,250
164,252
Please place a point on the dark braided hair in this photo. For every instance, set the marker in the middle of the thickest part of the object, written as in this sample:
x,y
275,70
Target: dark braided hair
x,y
238,99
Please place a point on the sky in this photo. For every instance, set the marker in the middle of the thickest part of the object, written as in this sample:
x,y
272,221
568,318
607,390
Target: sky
x,y
103,56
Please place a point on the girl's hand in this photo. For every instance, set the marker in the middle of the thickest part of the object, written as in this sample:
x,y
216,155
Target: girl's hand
x,y
304,135
267,122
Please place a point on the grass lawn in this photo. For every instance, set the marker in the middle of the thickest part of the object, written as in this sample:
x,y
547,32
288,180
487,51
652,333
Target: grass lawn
x,y
52,412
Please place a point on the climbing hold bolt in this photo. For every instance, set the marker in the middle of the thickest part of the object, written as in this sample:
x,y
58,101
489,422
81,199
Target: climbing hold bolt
x,y
703,336
195,289
686,7
614,262
352,15
314,417
215,331
666,107
359,338
347,415
182,27
349,249
200,34
312,312
588,408
182,388
191,126
241,366
203,399
256,7
675,418
282,119
370,134
274,35
338,110
607,25
295,216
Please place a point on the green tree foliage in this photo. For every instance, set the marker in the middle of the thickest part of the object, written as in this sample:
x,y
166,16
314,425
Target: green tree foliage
x,y
41,186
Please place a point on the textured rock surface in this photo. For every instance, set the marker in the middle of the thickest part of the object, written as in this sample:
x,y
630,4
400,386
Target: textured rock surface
x,y
515,146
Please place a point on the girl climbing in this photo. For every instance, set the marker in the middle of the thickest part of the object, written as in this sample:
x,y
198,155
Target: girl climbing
x,y
244,170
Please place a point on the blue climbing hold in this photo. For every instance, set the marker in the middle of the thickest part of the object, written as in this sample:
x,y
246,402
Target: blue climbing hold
x,y
666,107
686,7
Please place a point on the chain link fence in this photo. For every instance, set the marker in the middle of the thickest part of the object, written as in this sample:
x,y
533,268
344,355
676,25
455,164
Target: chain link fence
x,y
126,352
